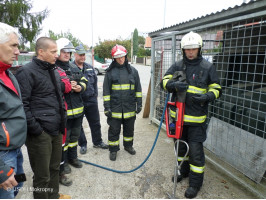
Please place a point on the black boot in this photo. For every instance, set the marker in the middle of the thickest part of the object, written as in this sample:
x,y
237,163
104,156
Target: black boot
x,y
101,145
64,180
83,150
180,177
67,169
75,163
130,150
113,155
191,192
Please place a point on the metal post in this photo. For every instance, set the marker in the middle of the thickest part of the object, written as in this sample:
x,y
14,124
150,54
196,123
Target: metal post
x,y
164,13
152,79
132,47
91,27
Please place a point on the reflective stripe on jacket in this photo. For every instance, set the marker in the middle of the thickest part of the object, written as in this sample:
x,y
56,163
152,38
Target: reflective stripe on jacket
x,y
202,78
91,92
74,101
122,91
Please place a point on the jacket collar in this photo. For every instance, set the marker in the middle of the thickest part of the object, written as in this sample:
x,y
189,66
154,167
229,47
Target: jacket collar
x,y
63,65
4,67
43,64
114,64
195,61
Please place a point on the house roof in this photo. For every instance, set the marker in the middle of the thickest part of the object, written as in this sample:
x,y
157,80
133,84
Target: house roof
x,y
254,6
147,42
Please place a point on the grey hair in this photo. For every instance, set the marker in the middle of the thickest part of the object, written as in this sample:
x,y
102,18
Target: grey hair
x,y
5,31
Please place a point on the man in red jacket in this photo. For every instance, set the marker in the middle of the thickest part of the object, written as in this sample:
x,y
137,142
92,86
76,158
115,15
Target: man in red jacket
x,y
13,125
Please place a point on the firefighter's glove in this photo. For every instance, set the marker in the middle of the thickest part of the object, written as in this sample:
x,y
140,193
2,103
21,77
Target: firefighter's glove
x,y
76,76
108,113
176,86
200,99
138,109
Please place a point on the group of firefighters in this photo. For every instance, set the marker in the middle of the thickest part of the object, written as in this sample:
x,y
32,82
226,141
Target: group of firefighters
x,y
122,100
122,96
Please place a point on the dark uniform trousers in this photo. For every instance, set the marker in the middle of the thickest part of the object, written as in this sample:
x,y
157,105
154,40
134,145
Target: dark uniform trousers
x,y
114,132
45,155
73,132
91,112
194,136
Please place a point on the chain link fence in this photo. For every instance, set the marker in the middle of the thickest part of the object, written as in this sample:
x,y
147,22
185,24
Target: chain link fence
x,y
236,121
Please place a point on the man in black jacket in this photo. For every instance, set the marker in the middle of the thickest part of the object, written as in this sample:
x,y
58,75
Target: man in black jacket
x,y
13,127
44,107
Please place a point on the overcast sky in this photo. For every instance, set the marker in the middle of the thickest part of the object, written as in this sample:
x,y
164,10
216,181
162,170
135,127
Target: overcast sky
x,y
111,19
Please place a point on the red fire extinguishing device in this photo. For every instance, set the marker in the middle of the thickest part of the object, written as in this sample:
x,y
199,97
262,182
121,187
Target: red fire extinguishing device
x,y
175,110
174,120
174,130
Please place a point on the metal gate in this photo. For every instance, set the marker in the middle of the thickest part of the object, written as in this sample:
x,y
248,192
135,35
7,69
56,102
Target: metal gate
x,y
236,121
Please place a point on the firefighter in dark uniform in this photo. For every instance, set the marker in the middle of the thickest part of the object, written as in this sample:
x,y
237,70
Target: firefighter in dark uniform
x,y
90,101
122,100
74,102
201,86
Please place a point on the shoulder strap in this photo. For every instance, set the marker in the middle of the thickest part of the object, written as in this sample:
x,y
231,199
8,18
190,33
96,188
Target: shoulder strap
x,y
72,65
180,75
205,64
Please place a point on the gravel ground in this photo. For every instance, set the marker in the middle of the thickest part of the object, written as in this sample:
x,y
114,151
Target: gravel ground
x,y
151,181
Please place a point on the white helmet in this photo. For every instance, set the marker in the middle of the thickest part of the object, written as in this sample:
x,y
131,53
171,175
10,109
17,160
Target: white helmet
x,y
64,44
191,41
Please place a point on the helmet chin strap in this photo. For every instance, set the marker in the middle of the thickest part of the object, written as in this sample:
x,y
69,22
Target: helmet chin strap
x,y
184,55
200,52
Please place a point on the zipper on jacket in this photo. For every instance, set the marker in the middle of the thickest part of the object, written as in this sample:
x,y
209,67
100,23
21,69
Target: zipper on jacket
x,y
7,134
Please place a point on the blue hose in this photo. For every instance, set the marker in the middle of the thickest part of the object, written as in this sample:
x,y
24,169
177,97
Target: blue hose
x,y
159,129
